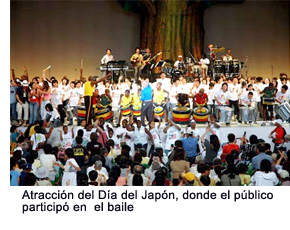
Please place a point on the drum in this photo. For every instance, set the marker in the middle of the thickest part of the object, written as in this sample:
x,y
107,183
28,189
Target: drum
x,y
247,114
126,111
268,101
181,115
236,66
224,114
284,111
228,66
81,112
218,66
159,112
136,111
200,114
105,113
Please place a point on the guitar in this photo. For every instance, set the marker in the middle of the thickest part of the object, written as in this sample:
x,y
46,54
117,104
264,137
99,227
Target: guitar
x,y
144,63
135,61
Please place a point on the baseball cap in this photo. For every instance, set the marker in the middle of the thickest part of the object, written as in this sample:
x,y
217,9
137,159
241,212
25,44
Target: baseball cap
x,y
26,166
25,83
283,173
189,176
278,121
189,131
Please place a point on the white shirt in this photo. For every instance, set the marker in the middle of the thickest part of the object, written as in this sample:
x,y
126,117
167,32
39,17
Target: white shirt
x,y
184,88
65,90
54,114
221,97
174,91
204,61
166,84
140,136
173,134
282,97
245,101
210,96
260,87
107,58
67,140
156,137
233,92
37,138
74,97
47,160
264,179
178,64
56,96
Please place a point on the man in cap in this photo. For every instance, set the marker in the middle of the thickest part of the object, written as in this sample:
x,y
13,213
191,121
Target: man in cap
x,y
284,177
179,64
190,144
278,133
22,102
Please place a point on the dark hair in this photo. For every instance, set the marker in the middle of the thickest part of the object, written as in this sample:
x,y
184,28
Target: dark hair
x,y
265,166
225,84
137,48
45,85
231,171
250,93
54,81
285,87
253,139
178,143
12,163
137,180
202,167
205,180
179,154
37,129
267,146
137,157
80,133
47,148
13,128
159,180
93,175
234,153
29,179
108,49
69,152
82,179
79,140
48,107
242,168
231,137
261,147
214,141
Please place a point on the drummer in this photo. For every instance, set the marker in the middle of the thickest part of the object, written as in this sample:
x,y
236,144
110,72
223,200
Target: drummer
x,y
283,95
204,62
159,98
125,101
228,56
179,64
200,99
248,100
222,96
269,93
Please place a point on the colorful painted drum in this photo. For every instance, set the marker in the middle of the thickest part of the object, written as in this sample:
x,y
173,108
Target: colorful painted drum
x,y
200,114
105,113
181,115
81,112
159,112
136,111
126,111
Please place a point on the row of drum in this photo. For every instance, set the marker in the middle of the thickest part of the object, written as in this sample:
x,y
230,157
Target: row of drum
x,y
182,115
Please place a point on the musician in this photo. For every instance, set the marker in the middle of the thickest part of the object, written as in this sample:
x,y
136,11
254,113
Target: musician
x,y
89,87
200,99
249,100
125,101
204,62
136,61
283,95
108,57
179,64
228,56
222,96
212,54
146,64
269,94
159,98
106,100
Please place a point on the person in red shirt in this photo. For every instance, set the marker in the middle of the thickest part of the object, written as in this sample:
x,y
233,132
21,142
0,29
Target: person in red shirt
x,y
231,145
278,133
200,99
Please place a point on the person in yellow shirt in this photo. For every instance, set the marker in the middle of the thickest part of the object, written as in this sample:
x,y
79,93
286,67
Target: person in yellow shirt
x,y
126,102
159,99
89,87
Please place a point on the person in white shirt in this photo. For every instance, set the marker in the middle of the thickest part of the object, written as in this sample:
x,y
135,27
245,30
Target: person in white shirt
x,y
222,96
179,64
249,100
233,96
108,57
66,137
37,137
283,95
204,62
173,133
52,116
259,87
74,98
210,96
174,91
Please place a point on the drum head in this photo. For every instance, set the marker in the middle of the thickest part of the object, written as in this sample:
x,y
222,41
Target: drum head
x,y
181,110
158,109
200,110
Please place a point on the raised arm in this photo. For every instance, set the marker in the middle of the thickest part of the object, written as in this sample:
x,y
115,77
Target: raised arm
x,y
26,72
13,75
